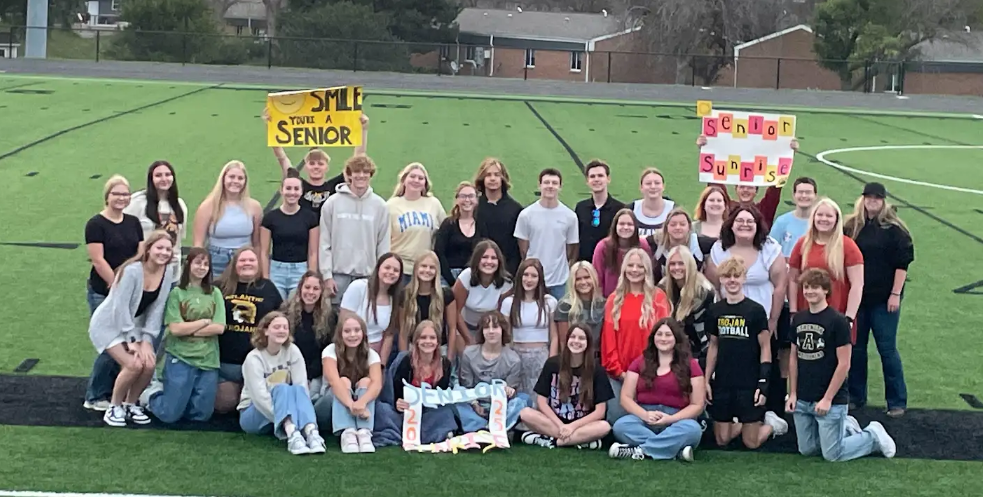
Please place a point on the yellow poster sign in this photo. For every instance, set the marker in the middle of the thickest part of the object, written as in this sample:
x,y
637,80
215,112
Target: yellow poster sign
x,y
327,117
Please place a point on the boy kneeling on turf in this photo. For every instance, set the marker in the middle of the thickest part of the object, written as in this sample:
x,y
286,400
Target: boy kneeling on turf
x,y
740,355
818,396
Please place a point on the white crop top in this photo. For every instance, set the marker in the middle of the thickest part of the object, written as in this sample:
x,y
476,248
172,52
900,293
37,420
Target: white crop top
x,y
533,327
480,299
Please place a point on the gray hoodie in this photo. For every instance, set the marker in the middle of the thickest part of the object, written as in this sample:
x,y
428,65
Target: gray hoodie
x,y
354,233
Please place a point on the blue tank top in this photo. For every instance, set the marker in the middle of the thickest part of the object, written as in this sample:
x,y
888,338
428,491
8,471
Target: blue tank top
x,y
233,230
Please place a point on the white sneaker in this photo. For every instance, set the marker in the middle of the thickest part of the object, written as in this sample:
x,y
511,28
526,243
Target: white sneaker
x,y
884,441
296,444
778,425
151,390
97,405
852,426
115,416
315,443
596,444
364,438
135,413
687,453
533,438
349,441
625,451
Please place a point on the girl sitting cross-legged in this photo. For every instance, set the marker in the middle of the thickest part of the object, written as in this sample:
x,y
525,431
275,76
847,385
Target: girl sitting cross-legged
x,y
664,393
274,392
353,372
570,397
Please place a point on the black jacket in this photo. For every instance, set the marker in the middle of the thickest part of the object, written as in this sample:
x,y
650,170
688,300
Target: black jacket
x,y
885,249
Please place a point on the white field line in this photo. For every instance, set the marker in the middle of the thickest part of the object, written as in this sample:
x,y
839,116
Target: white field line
x,y
822,157
15,493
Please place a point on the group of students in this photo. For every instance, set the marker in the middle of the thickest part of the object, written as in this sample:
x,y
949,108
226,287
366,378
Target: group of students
x,y
638,320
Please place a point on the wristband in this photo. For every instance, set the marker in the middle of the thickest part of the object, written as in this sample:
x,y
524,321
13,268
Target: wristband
x,y
763,375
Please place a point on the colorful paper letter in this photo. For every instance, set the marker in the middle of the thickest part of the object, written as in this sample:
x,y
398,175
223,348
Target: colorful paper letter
x,y
784,166
747,171
710,127
770,131
740,128
771,172
786,126
760,165
720,171
755,124
733,165
706,163
726,121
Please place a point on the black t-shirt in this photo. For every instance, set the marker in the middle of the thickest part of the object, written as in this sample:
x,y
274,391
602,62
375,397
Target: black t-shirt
x,y
243,310
423,308
290,233
548,386
737,327
315,195
591,233
119,243
453,248
404,371
817,336
309,345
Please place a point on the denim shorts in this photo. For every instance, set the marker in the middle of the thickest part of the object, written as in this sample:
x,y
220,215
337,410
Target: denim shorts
x,y
286,276
221,257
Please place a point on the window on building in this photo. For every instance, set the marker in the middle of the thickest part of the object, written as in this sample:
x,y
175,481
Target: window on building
x,y
445,51
3,52
530,57
115,6
576,61
469,53
239,30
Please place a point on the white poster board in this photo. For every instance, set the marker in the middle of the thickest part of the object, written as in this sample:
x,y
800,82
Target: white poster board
x,y
425,396
747,148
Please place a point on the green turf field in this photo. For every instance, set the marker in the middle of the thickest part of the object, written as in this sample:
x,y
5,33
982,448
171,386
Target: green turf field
x,y
60,139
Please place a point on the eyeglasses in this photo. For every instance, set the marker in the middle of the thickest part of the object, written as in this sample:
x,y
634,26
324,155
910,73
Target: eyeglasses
x,y
469,196
596,218
744,221
119,194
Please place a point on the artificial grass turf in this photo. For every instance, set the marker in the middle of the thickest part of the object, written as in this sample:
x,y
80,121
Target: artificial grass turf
x,y
201,131
188,463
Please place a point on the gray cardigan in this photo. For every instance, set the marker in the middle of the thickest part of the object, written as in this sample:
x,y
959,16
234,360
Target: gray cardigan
x,y
115,317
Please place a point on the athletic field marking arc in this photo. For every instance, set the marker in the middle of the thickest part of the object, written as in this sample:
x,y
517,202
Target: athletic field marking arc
x,y
17,493
822,157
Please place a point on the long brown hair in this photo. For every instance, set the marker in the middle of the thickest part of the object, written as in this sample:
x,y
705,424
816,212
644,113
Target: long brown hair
x,y
586,370
423,369
612,245
294,309
501,275
372,292
359,368
492,319
193,254
681,356
538,295
488,163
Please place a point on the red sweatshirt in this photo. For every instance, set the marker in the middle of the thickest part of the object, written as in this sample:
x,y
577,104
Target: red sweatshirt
x,y
619,348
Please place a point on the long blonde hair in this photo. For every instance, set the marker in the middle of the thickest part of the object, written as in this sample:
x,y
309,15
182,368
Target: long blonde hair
x,y
400,189
423,369
647,317
662,236
217,197
411,313
834,246
695,286
888,216
573,298
456,211
143,252
488,163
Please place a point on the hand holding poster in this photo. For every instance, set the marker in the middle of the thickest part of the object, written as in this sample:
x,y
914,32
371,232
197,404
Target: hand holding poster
x,y
328,117
425,396
746,148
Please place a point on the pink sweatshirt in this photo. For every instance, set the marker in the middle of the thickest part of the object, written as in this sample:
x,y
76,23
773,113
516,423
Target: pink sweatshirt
x,y
608,276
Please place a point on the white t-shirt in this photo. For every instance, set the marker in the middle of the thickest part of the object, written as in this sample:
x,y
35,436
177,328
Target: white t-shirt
x,y
650,225
533,327
356,300
758,286
548,232
330,353
480,299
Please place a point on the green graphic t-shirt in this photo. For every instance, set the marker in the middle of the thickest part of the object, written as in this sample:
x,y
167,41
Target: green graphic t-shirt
x,y
191,305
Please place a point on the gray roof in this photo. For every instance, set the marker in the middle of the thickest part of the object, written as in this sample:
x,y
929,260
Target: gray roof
x,y
538,25
247,9
953,47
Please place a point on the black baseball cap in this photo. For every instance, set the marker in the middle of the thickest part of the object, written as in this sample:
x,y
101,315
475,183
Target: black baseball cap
x,y
875,190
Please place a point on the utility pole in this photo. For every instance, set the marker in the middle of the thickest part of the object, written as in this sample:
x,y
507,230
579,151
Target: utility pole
x,y
36,38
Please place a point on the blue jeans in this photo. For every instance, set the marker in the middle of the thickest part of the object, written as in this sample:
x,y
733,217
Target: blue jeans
x,y
343,419
104,368
221,257
289,401
614,410
658,442
557,291
472,422
884,326
827,434
189,392
286,276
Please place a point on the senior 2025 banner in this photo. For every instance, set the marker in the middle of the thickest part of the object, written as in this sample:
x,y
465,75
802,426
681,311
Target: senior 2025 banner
x,y
745,148
425,396
326,117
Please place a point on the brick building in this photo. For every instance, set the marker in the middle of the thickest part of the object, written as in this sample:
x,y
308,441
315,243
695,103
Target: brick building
x,y
539,45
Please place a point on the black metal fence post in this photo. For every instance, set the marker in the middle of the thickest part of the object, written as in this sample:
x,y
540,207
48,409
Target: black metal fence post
x,y
692,66
901,77
609,67
269,52
10,42
355,58
778,74
98,40
525,71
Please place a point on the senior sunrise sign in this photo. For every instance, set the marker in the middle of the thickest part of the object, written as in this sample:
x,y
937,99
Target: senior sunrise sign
x,y
425,396
327,117
745,148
